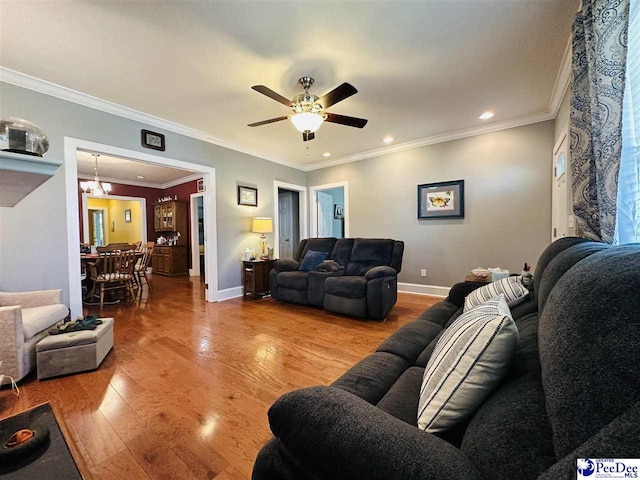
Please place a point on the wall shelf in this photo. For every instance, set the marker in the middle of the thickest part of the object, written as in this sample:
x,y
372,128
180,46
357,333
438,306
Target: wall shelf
x,y
21,174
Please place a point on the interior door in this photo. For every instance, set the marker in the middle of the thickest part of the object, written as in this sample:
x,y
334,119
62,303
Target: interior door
x,y
325,215
285,224
559,196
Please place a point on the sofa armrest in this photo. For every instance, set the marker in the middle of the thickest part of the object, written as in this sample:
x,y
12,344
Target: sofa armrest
x,y
460,290
31,299
286,265
11,342
379,272
335,434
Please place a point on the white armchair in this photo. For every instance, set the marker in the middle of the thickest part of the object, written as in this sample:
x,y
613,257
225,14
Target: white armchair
x,y
25,318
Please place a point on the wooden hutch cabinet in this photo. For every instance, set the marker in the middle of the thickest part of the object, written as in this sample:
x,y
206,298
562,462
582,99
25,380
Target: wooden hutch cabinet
x,y
170,218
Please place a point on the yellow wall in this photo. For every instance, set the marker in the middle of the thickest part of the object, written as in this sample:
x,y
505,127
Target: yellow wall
x,y
118,230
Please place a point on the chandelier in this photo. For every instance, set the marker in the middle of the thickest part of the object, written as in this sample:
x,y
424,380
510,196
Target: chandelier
x,y
95,187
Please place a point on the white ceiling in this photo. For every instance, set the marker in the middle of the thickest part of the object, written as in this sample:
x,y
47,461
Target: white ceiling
x,y
126,171
422,68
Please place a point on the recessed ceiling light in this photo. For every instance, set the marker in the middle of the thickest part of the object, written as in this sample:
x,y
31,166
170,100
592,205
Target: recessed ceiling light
x,y
140,176
388,139
486,116
326,154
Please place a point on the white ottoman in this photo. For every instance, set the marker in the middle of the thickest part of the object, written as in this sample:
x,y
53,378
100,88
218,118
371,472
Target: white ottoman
x,y
75,351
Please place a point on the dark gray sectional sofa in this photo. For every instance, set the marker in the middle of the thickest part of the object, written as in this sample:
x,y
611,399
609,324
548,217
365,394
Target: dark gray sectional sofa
x,y
358,277
573,390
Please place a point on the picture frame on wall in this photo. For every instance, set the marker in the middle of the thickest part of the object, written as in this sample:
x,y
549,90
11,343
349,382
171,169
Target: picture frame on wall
x,y
247,196
127,215
200,185
441,200
338,212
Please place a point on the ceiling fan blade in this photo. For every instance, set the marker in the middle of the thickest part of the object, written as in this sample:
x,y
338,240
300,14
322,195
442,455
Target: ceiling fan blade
x,y
271,94
306,136
265,122
337,95
345,120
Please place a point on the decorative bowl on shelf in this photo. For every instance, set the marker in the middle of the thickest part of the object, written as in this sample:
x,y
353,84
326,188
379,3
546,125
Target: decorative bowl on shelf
x,y
22,136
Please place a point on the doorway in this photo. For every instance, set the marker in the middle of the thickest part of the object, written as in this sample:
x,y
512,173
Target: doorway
x,y
71,148
289,222
197,235
104,219
97,234
330,210
293,225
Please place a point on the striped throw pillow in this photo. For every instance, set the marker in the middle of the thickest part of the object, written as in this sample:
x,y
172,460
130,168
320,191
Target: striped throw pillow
x,y
512,288
470,358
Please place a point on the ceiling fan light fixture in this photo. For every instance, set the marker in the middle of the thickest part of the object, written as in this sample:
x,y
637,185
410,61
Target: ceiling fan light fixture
x,y
307,121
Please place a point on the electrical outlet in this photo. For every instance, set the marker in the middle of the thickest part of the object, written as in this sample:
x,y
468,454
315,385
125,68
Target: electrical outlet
x,y
423,272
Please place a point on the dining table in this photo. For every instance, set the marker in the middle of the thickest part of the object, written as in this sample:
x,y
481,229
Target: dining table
x,y
87,283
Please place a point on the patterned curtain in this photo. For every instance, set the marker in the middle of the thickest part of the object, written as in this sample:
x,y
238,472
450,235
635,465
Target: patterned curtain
x,y
598,64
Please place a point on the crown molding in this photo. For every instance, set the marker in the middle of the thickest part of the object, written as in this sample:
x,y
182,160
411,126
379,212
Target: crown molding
x,y
136,183
445,137
32,83
23,80
563,80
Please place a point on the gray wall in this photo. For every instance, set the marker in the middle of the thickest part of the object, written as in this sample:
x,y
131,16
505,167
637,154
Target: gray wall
x,y
33,234
507,202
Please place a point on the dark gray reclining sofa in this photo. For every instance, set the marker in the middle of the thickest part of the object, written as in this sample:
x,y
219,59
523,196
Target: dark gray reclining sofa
x,y
359,276
573,390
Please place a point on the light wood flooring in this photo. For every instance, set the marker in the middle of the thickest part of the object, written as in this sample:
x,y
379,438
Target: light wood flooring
x,y
185,391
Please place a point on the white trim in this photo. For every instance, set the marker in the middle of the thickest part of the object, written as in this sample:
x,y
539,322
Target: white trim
x,y
23,80
180,181
418,289
445,137
313,231
302,211
85,213
563,80
71,147
194,271
229,293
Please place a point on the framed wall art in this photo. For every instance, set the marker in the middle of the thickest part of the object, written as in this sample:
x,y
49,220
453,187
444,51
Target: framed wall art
x,y
441,200
338,212
247,196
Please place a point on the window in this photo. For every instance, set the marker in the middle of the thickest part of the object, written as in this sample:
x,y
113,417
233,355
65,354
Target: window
x,y
628,203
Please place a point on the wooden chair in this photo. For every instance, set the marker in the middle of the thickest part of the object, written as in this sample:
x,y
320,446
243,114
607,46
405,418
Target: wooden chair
x,y
140,270
113,271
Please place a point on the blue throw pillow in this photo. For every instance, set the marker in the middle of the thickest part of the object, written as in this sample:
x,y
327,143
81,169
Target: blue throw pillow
x,y
311,260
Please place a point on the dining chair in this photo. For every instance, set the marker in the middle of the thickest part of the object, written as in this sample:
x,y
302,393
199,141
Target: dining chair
x,y
113,271
141,267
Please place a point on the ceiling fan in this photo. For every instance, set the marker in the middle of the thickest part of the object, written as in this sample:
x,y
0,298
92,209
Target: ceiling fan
x,y
309,110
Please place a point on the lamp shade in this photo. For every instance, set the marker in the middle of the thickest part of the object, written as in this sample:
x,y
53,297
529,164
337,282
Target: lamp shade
x,y
262,225
307,121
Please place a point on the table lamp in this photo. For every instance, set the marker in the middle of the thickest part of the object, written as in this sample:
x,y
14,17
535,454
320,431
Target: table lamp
x,y
262,225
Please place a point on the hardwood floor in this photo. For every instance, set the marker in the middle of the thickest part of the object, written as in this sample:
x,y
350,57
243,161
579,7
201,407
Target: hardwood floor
x,y
185,391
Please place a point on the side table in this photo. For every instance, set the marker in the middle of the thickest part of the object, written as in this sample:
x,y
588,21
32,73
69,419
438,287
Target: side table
x,y
255,278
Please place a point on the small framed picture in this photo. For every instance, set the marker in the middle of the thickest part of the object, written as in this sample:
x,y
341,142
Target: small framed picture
x,y
200,185
127,215
441,200
247,196
152,140
338,212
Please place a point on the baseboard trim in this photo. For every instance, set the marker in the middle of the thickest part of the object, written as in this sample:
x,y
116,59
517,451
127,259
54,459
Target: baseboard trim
x,y
419,289
229,293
